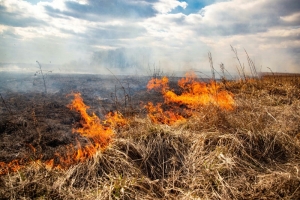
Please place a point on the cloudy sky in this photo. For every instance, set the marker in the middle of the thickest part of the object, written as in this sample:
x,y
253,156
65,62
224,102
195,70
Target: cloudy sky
x,y
170,34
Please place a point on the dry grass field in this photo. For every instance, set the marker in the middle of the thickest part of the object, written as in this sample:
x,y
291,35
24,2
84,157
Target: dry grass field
x,y
228,140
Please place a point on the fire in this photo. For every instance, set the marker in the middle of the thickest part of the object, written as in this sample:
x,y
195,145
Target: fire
x,y
197,94
91,125
115,119
98,134
158,115
194,94
13,166
49,164
158,84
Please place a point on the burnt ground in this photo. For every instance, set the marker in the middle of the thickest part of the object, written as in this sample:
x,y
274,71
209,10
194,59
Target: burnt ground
x,y
38,125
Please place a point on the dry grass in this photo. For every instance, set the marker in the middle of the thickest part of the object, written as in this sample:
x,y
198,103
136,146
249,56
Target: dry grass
x,y
252,152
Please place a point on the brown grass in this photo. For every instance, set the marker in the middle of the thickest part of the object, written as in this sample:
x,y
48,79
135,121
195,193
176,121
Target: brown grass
x,y
252,152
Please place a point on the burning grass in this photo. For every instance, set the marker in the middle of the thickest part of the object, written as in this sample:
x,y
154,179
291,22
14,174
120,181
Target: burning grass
x,y
250,150
193,95
97,134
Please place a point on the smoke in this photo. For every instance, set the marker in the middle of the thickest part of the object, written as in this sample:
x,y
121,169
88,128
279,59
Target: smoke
x,y
121,60
143,60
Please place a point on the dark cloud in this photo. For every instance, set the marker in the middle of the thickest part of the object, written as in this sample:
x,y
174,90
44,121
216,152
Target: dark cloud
x,y
284,38
106,8
17,19
56,13
270,13
234,28
288,7
295,52
241,29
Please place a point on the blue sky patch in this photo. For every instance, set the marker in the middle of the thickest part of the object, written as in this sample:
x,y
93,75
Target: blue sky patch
x,y
193,7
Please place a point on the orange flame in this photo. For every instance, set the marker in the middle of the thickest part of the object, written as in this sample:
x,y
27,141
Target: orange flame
x,y
12,166
194,94
98,135
92,127
158,115
49,164
115,119
158,84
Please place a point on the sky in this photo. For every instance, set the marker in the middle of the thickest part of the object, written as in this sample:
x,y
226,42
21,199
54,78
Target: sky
x,y
133,36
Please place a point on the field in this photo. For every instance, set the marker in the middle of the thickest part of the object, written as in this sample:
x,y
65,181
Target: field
x,y
149,137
